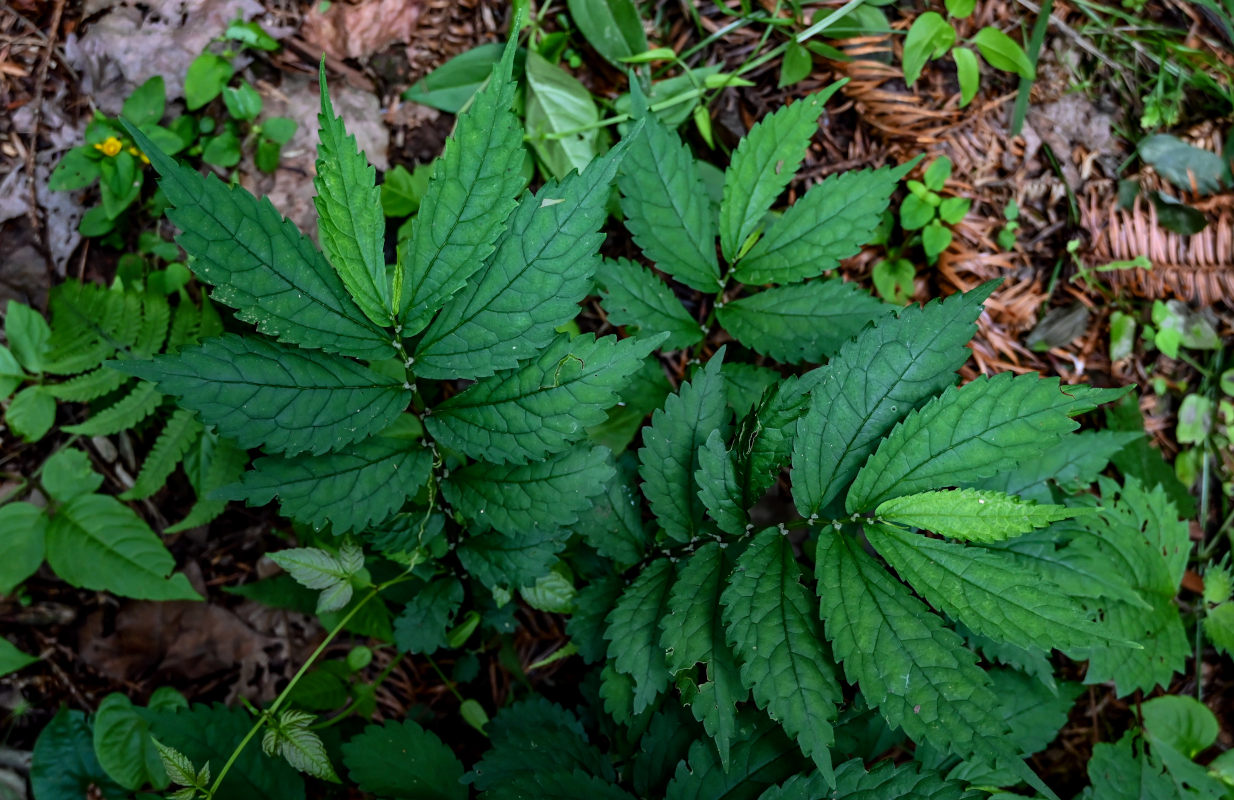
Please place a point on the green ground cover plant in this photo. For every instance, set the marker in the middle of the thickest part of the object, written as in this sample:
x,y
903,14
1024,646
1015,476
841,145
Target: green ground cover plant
x,y
819,549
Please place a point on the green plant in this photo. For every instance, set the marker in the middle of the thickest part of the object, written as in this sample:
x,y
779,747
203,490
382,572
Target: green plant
x,y
932,36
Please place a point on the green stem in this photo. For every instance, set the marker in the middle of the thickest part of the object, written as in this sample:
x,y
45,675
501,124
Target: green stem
x,y
448,683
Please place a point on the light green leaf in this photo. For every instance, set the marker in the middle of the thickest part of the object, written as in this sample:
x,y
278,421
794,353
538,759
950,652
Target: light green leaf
x,y
203,82
469,198
519,499
963,435
125,413
929,37
350,222
666,207
1182,722
402,760
1003,52
543,405
558,104
984,590
1218,627
829,223
907,664
28,335
12,659
968,72
977,516
69,473
808,322
531,284
314,568
261,265
261,393
291,738
95,542
762,166
11,374
87,386
612,27
871,383
123,745
211,463
773,627
169,448
31,413
402,191
23,528
350,490
632,296
669,457
633,631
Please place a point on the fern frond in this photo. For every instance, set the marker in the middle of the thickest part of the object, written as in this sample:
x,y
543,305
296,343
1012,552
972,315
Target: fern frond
x,y
181,430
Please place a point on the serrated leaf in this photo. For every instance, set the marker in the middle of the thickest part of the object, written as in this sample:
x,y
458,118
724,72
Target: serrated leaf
x,y
89,323
807,322
970,514
542,406
181,430
614,525
314,568
632,296
915,671
1123,771
303,749
644,393
531,284
261,393
985,591
718,487
665,205
212,463
470,196
95,542
1073,463
889,780
669,456
586,625
873,381
760,758
402,760
773,627
633,631
175,764
428,616
763,164
764,437
517,499
508,562
693,633
965,434
131,409
745,385
260,264
350,222
87,386
828,223
358,486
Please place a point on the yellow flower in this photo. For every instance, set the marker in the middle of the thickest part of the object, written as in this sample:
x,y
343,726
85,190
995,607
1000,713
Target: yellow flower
x,y
110,146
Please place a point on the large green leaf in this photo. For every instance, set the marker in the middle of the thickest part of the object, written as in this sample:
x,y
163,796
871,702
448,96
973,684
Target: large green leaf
x,y
351,489
261,265
519,499
123,745
760,758
64,766
666,205
1073,464
614,525
873,381
544,404
633,631
774,629
497,560
531,284
613,27
261,393
25,527
470,195
402,760
669,456
693,633
718,487
829,223
350,222
425,621
808,322
763,164
632,296
977,516
984,590
562,118
764,436
913,669
96,542
963,435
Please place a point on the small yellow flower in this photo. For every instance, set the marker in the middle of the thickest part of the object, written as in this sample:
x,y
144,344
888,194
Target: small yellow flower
x,y
110,146
133,151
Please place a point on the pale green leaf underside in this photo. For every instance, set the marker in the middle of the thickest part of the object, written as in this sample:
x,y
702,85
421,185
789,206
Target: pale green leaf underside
x,y
632,296
913,669
762,166
521,498
777,636
544,404
531,284
829,223
351,489
633,631
963,435
350,222
669,456
983,589
807,322
470,195
261,265
971,514
264,394
666,207
96,542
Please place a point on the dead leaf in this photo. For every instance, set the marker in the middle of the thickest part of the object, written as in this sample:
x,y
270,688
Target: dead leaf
x,y
359,30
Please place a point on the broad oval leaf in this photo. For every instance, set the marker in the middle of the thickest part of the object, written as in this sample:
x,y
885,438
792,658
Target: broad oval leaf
x,y
1003,52
562,118
613,27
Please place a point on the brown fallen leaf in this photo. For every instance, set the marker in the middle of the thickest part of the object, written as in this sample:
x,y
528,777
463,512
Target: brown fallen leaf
x,y
362,29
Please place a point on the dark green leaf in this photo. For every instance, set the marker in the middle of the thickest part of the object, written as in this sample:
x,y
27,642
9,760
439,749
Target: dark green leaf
x,y
612,27
64,766
632,296
402,760
634,631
